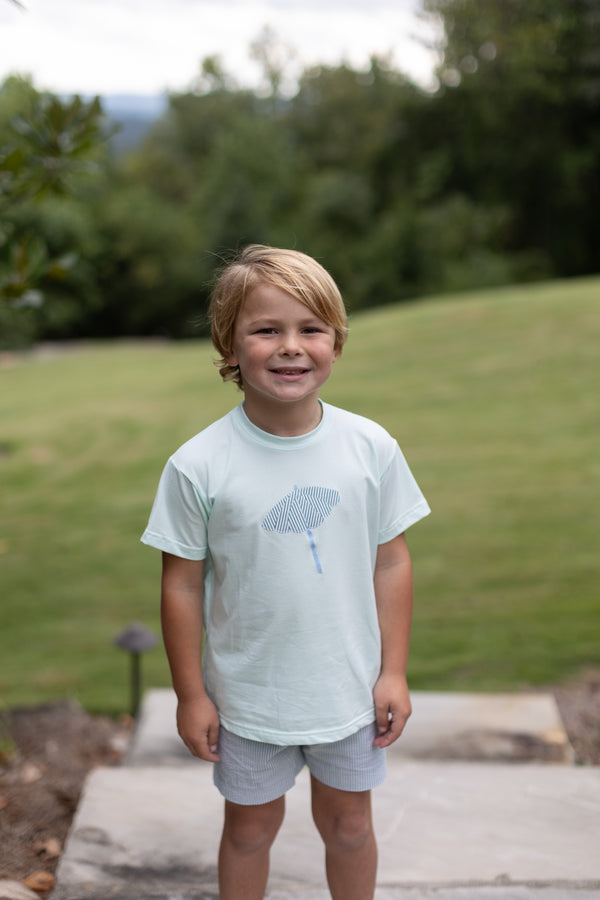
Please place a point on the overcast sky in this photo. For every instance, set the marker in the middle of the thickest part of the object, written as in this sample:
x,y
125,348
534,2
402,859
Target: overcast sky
x,y
150,46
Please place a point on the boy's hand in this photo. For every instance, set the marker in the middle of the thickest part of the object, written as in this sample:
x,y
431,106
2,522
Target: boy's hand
x,y
392,708
198,727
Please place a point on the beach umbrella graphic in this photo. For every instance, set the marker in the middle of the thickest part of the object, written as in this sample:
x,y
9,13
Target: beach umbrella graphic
x,y
302,510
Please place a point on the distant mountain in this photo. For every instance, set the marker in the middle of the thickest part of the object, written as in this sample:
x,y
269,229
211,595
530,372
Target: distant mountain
x,y
134,114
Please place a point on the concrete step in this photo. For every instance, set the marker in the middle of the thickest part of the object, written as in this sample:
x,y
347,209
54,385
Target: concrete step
x,y
487,727
479,824
446,831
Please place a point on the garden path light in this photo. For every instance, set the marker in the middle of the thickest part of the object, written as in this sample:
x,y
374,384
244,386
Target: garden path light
x,y
136,639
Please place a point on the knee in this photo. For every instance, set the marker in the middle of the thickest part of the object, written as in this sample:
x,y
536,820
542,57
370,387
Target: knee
x,y
345,833
251,833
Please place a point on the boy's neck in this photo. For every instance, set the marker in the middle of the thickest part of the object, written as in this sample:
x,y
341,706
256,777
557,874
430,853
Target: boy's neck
x,y
285,420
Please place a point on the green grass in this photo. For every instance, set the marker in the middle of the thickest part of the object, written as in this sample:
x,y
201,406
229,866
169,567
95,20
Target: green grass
x,y
494,399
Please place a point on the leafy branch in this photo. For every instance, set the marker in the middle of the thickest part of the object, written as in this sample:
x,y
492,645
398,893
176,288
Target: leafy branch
x,y
52,144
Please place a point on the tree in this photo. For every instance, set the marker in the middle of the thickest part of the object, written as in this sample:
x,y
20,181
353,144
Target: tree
x,y
273,56
519,108
46,146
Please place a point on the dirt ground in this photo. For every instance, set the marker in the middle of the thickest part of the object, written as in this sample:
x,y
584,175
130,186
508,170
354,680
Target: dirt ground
x,y
47,751
45,755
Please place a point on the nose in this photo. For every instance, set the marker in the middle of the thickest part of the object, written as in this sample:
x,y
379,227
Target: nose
x,y
289,345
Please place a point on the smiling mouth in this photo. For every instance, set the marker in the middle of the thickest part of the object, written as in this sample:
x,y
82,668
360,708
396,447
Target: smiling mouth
x,y
289,371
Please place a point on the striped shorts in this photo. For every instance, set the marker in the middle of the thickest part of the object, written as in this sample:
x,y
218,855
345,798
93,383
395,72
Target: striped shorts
x,y
252,772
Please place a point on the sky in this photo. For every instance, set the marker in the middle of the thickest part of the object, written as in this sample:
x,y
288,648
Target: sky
x,y
150,47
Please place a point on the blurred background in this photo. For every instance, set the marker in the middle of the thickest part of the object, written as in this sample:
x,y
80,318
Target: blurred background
x,y
453,146
442,160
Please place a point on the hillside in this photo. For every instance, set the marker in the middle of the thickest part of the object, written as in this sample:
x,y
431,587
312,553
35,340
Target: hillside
x,y
493,398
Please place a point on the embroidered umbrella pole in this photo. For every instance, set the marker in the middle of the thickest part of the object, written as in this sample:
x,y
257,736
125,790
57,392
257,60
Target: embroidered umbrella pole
x,y
302,510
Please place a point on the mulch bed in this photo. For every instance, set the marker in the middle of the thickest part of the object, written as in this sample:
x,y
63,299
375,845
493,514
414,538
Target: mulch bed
x,y
45,754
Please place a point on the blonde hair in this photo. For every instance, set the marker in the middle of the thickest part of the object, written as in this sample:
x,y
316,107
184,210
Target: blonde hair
x,y
297,274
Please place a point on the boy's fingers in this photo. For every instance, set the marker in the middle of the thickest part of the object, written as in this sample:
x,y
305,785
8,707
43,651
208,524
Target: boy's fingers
x,y
390,725
387,737
205,746
383,718
213,740
204,751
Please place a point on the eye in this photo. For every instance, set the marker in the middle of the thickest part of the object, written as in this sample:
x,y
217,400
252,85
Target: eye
x,y
311,329
265,331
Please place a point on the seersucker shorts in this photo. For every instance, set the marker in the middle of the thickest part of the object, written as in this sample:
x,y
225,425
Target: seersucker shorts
x,y
252,772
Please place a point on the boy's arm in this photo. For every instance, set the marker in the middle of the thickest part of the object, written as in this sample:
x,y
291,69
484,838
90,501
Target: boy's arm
x,y
181,615
394,597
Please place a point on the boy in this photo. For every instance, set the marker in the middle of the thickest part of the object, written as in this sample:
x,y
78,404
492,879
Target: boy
x,y
282,531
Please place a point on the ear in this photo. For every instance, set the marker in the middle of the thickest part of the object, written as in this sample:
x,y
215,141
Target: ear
x,y
230,359
337,352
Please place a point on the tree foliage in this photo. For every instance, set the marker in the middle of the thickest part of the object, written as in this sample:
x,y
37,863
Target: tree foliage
x,y
46,146
522,112
494,177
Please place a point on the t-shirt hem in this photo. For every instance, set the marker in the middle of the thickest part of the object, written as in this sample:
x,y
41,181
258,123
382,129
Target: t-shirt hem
x,y
160,542
299,738
411,517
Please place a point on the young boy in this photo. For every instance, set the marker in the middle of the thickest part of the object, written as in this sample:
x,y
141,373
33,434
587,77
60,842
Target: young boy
x,y
282,530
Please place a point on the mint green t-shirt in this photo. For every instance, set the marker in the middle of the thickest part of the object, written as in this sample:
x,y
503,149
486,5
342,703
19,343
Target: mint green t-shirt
x,y
288,529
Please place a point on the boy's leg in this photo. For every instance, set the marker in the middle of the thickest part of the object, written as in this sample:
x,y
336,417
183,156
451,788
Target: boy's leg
x,y
248,834
345,823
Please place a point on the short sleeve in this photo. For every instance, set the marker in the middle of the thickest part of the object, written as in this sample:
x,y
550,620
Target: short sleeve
x,y
402,503
179,518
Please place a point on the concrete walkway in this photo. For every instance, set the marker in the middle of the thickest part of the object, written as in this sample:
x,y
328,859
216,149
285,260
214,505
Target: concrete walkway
x,y
469,826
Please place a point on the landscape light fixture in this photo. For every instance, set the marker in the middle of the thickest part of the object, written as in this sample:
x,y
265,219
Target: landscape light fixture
x,y
136,639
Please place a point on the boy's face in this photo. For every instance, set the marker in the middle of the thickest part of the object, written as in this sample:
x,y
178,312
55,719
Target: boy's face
x,y
284,351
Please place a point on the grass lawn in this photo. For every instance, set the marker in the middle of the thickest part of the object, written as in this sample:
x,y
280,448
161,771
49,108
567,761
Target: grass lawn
x,y
493,397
